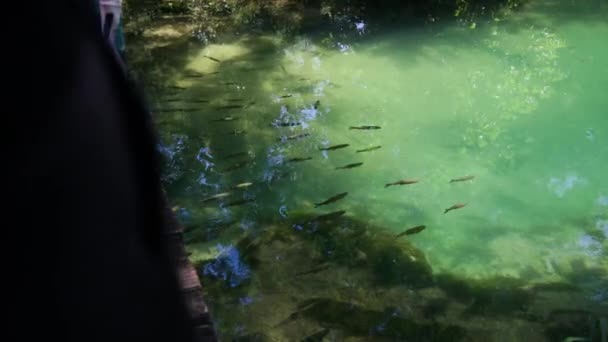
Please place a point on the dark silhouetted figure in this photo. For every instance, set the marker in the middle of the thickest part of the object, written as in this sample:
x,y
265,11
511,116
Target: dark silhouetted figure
x,y
85,256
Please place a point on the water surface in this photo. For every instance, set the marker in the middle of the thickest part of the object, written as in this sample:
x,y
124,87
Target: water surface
x,y
520,104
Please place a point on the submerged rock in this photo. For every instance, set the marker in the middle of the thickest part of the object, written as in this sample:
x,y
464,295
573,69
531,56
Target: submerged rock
x,y
360,321
351,243
311,275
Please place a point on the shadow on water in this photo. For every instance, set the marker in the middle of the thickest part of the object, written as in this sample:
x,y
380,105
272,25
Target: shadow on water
x,y
216,131
559,12
313,273
205,112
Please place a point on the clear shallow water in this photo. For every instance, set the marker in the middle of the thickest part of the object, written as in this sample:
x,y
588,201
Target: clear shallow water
x,y
519,104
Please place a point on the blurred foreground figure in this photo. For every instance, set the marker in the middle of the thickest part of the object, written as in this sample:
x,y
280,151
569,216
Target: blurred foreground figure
x,y
110,12
85,255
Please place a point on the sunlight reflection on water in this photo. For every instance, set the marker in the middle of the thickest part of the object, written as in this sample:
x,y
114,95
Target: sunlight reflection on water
x,y
561,186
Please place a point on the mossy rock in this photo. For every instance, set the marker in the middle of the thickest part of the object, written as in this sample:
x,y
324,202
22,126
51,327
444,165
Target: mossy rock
x,y
390,322
347,242
494,296
337,273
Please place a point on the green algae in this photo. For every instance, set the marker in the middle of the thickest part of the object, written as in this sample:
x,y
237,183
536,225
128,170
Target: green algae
x,y
357,281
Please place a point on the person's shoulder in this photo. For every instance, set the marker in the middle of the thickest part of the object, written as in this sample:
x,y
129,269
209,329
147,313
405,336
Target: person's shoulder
x,y
110,2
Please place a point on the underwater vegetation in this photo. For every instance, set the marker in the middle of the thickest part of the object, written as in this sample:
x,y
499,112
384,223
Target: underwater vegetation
x,y
343,278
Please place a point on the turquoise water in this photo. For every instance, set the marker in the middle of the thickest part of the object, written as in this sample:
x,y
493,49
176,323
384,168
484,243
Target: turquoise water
x,y
518,103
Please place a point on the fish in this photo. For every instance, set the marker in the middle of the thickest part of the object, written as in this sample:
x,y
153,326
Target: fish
x,y
283,68
186,101
579,312
277,177
455,207
239,165
556,287
234,155
220,225
240,202
213,59
285,124
365,127
237,132
173,110
330,216
349,166
317,104
216,196
242,185
316,337
412,231
226,119
196,101
230,83
194,75
602,322
332,199
369,149
313,271
291,318
298,160
294,137
335,147
177,87
285,96
304,79
462,179
229,107
403,182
